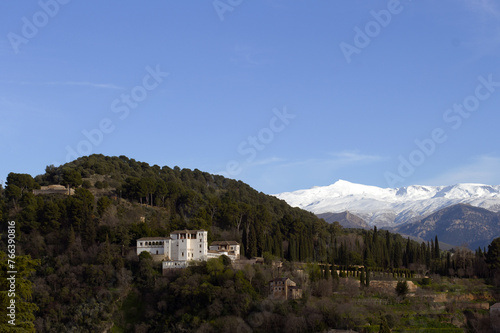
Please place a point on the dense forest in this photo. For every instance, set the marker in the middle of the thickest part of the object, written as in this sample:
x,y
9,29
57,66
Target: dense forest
x,y
80,272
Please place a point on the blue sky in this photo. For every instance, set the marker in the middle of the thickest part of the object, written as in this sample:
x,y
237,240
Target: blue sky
x,y
282,95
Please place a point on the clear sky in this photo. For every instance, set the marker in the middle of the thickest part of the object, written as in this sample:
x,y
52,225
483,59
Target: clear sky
x,y
280,94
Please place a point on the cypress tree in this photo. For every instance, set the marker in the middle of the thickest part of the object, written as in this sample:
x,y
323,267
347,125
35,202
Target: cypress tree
x,y
252,243
436,248
428,256
327,272
244,239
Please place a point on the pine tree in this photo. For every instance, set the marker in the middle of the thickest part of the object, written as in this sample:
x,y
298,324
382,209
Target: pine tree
x,y
24,308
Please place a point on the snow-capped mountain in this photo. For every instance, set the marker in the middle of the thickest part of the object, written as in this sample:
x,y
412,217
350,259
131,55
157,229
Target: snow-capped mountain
x,y
391,206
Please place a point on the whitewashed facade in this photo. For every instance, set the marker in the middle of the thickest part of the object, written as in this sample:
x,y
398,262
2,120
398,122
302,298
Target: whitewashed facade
x,y
184,246
177,250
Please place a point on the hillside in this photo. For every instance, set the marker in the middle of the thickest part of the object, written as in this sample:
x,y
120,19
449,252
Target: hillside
x,y
77,258
459,224
346,219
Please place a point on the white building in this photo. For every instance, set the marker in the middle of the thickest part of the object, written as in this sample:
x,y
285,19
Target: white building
x,y
175,251
156,246
228,248
184,246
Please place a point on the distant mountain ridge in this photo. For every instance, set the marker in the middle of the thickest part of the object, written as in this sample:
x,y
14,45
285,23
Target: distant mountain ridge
x,y
346,219
459,224
390,207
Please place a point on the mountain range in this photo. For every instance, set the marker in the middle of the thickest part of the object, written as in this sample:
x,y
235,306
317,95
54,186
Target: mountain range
x,y
458,214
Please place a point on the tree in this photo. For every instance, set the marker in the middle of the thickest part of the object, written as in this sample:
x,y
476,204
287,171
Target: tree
x,y
402,288
437,252
162,192
102,204
71,178
146,274
22,180
493,255
252,243
328,275
13,193
50,216
384,326
362,279
21,298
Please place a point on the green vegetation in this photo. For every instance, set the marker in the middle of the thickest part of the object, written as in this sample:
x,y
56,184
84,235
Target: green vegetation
x,y
88,278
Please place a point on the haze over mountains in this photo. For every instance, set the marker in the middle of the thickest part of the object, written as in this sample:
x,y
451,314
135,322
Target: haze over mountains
x,y
420,211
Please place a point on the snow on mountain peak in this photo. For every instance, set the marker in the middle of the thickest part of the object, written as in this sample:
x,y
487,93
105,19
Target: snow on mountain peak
x,y
389,206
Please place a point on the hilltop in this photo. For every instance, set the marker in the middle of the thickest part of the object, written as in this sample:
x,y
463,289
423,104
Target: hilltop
x,y
80,244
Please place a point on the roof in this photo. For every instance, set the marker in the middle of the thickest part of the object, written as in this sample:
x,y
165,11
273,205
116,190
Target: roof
x,y
185,231
495,306
153,238
224,243
280,279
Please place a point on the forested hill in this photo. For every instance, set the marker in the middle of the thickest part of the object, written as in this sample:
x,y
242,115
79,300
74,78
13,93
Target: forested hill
x,y
182,198
87,277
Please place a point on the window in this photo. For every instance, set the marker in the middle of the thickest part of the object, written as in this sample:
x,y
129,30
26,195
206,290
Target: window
x,y
200,246
183,254
140,243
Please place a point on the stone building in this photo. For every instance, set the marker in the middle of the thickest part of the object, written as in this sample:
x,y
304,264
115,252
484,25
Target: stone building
x,y
54,189
284,289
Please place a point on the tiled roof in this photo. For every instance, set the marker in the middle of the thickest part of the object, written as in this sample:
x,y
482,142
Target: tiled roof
x,y
186,231
153,238
224,243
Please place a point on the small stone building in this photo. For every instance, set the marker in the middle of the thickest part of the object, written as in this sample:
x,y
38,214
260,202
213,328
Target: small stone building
x,y
284,289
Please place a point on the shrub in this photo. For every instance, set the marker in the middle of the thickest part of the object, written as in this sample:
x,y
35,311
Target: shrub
x,y
402,288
